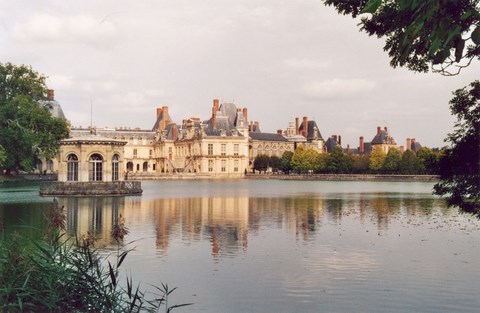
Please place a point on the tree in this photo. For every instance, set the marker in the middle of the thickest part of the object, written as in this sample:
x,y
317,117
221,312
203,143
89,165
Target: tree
x,y
337,161
408,164
391,164
285,165
27,130
261,163
427,161
443,34
274,163
360,163
459,167
3,156
377,157
303,159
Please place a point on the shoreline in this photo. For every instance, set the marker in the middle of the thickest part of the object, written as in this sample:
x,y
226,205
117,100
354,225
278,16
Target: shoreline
x,y
348,177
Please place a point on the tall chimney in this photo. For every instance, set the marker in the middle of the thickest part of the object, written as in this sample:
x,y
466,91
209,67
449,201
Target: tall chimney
x,y
305,126
174,131
379,130
409,144
159,111
279,131
386,129
216,104
339,140
50,94
245,115
348,148
362,145
297,125
214,116
257,125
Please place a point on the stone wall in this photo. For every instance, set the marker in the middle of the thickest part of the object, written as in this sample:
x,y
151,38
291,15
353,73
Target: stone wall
x,y
90,188
347,177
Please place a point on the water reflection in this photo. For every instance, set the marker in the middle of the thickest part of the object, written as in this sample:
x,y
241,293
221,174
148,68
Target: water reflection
x,y
227,223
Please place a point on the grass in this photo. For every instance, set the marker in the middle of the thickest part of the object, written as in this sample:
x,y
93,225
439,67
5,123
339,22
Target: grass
x,y
58,275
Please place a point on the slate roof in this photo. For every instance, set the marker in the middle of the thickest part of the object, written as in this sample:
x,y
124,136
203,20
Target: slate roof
x,y
311,134
331,143
383,138
416,146
266,136
54,107
163,116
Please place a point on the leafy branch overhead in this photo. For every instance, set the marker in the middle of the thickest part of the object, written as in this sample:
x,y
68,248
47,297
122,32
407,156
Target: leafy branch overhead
x,y
441,34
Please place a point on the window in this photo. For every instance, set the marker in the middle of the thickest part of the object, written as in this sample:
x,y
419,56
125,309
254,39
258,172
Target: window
x,y
115,160
210,165
134,153
95,167
210,149
235,165
223,149
235,149
145,166
224,165
49,166
72,168
150,153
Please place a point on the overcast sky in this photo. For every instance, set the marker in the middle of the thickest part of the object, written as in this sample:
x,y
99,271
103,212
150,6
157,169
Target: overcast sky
x,y
279,58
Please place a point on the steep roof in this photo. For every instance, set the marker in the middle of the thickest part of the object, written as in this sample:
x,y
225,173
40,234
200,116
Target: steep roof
x,y
383,137
54,107
266,136
313,132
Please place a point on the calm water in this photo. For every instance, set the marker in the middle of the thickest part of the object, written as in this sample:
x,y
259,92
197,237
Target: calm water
x,y
284,246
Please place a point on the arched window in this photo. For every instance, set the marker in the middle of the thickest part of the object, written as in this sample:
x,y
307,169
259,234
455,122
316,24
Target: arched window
x,y
95,168
115,160
72,167
130,166
49,166
145,166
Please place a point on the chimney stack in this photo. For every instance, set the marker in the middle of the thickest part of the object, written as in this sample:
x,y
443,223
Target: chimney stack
x,y
379,130
159,112
214,112
174,131
257,124
50,94
409,144
386,129
305,127
340,140
245,116
348,148
362,145
297,126
279,131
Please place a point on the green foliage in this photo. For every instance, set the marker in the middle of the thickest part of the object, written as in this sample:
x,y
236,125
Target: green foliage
x,y
360,163
420,33
427,161
274,163
377,157
20,80
408,163
338,162
285,160
304,160
261,163
459,166
55,275
3,156
391,164
27,130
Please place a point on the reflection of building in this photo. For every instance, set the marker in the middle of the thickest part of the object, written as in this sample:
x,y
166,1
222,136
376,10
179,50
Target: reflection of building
x,y
93,215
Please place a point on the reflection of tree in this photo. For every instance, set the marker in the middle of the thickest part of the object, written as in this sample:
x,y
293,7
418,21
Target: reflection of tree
x,y
334,208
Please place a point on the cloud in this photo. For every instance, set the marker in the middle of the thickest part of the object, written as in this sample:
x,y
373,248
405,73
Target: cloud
x,y
338,88
51,28
306,64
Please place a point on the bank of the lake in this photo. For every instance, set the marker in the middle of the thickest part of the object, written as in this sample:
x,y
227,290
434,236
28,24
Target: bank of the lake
x,y
348,177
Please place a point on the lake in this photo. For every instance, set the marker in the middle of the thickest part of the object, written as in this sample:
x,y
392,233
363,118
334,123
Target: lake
x,y
282,246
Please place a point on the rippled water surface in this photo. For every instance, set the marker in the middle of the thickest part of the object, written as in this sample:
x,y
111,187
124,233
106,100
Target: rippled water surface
x,y
285,246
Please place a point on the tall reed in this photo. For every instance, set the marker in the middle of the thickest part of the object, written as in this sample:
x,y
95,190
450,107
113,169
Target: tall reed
x,y
56,275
